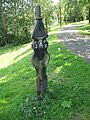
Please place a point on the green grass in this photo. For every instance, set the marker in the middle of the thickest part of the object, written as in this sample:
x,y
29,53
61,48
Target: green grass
x,y
68,95
85,29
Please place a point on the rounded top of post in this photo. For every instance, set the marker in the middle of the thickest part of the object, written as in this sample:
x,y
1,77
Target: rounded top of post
x,y
38,12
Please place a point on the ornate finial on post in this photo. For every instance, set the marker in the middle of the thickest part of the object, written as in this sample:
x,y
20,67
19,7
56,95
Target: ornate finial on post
x,y
38,13
40,57
39,31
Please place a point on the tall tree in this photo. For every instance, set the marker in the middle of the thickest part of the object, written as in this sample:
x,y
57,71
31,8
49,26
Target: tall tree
x,y
88,10
73,10
3,27
47,12
17,19
60,12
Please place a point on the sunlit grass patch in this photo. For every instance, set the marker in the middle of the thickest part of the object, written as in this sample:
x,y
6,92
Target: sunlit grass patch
x,y
55,29
68,94
11,56
85,29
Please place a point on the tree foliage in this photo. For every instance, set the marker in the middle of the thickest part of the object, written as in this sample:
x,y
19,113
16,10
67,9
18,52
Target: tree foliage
x,y
73,10
17,19
18,16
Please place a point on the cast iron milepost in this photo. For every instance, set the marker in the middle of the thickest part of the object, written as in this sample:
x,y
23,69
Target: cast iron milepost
x,y
40,57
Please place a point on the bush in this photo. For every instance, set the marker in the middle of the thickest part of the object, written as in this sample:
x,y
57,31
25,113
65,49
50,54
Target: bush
x,y
15,40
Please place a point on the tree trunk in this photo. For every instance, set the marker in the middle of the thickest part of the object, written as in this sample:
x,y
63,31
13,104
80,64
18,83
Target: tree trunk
x,y
60,13
15,15
89,11
89,15
46,24
3,21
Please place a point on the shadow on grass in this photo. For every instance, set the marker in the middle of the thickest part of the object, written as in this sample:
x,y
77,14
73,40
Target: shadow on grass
x,y
18,56
15,55
68,92
16,83
76,42
10,48
85,29
68,88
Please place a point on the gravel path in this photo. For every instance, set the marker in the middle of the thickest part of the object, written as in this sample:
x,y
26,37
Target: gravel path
x,y
75,42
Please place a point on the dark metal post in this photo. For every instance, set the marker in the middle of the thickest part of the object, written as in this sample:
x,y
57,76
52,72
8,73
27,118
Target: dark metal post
x,y
40,57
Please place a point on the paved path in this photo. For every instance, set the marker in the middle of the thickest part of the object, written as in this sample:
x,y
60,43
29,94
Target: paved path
x,y
76,42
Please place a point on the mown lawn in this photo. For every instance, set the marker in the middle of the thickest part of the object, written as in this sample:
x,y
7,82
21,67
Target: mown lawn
x,y
85,29
68,95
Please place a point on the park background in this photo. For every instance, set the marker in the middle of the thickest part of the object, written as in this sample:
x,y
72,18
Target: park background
x,y
68,96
